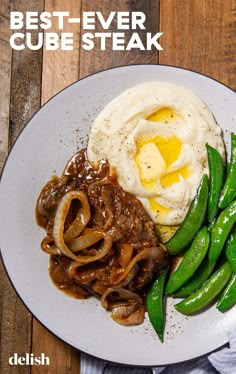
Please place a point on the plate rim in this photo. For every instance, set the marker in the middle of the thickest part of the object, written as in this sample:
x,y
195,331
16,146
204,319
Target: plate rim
x,y
92,355
174,67
99,72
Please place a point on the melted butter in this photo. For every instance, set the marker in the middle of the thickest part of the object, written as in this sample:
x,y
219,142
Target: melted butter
x,y
155,155
171,178
150,162
169,147
166,115
150,185
152,167
156,207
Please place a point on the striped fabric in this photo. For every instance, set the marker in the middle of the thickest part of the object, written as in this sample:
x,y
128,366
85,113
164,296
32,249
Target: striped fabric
x,y
223,362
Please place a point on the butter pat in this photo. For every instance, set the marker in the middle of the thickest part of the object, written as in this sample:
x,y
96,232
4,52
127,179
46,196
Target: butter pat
x,y
150,161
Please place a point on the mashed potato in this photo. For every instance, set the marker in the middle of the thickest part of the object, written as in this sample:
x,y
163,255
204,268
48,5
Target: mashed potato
x,y
153,136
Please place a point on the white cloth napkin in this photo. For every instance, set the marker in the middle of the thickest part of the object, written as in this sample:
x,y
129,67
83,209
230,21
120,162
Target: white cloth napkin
x,y
222,361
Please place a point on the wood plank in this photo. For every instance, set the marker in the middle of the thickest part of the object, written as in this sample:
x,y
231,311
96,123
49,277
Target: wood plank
x,y
63,357
60,69
203,15
26,77
200,35
5,79
15,326
25,100
96,60
205,28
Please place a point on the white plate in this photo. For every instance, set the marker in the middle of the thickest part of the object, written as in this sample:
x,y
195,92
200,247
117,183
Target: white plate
x,y
43,148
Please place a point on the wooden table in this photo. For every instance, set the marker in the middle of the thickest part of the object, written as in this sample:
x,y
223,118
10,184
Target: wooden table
x,y
197,34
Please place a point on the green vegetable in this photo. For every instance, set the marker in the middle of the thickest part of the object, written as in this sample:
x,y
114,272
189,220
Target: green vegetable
x,y
191,261
197,280
205,295
216,168
230,251
155,307
211,224
221,230
192,222
228,193
228,298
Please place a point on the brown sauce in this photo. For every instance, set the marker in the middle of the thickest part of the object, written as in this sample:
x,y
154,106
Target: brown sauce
x,y
58,273
115,212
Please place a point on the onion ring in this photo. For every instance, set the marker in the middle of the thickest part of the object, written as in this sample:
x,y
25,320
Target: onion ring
x,y
77,226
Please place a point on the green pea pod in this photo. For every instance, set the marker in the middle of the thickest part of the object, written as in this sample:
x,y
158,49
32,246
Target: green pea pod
x,y
205,295
228,298
192,222
228,193
155,307
191,261
211,224
221,230
216,168
230,251
196,281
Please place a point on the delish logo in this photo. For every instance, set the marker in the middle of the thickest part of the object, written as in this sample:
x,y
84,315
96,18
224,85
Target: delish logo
x,y
29,359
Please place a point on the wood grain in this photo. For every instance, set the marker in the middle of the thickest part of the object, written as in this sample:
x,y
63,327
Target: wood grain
x,y
23,84
200,35
26,76
5,74
60,69
96,60
15,327
63,358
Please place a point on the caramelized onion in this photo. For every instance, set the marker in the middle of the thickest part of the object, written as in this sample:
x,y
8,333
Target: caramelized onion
x,y
99,253
145,254
120,315
48,246
114,294
126,252
100,240
127,280
126,306
82,216
85,241
77,226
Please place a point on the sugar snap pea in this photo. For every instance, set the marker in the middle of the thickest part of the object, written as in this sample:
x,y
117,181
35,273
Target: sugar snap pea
x,y
230,251
205,295
155,307
211,224
216,170
228,193
191,261
220,231
196,281
192,222
228,298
